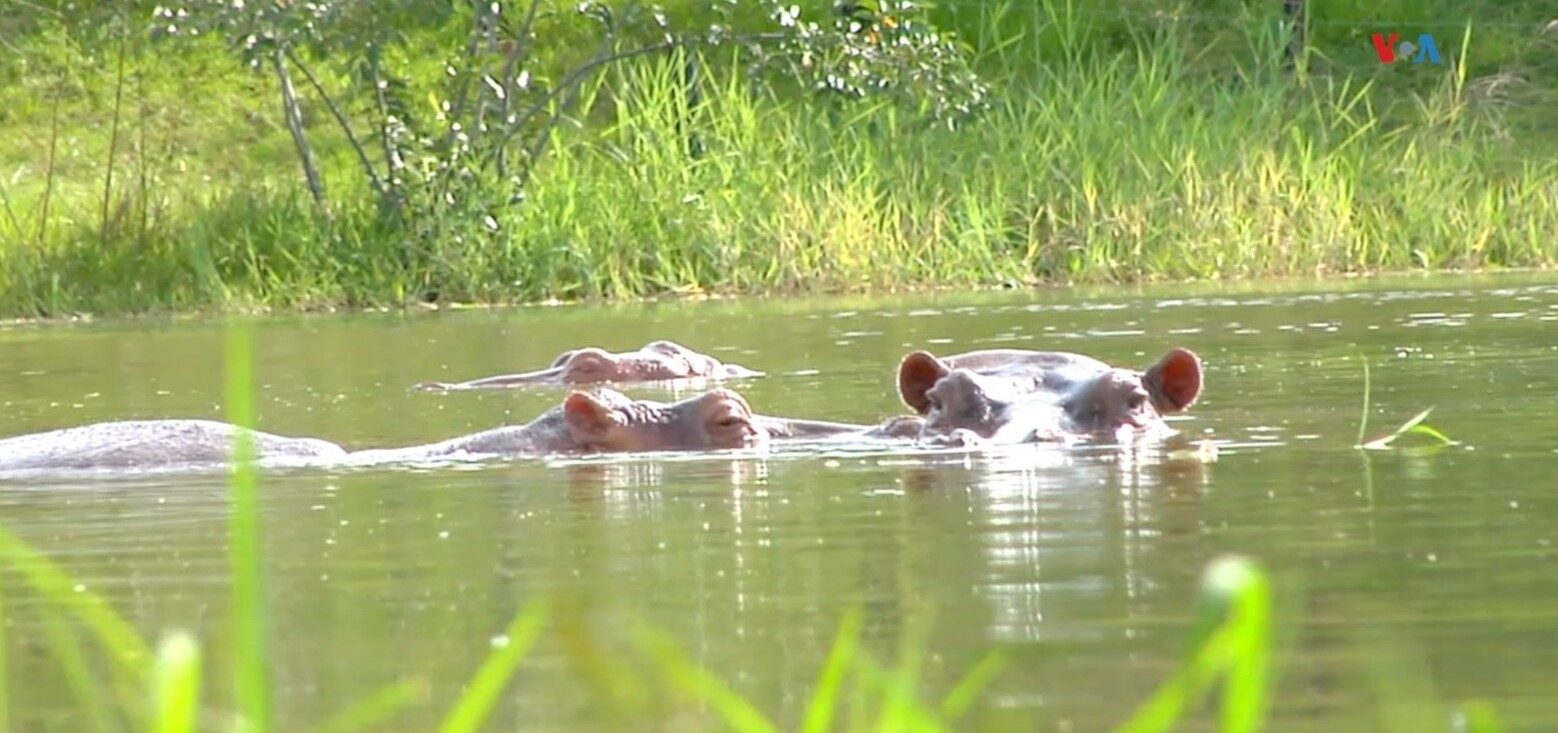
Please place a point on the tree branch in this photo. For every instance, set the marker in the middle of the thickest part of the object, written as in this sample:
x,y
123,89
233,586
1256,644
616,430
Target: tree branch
x,y
573,78
340,118
391,159
289,105
519,52
588,67
462,91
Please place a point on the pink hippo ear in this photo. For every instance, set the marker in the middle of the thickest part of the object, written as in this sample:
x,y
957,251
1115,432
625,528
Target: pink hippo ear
x,y
1175,381
917,373
563,358
588,365
667,347
589,420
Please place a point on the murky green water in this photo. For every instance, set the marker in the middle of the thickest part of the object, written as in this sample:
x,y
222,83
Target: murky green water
x,y
1410,575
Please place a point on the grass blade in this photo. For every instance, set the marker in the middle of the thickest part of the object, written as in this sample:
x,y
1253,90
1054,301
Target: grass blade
x,y
1235,593
5,682
692,678
962,697
245,562
1431,432
1478,717
903,709
1164,709
1415,421
176,690
1414,425
622,690
475,704
900,710
1363,420
824,701
1245,692
49,581
78,673
376,708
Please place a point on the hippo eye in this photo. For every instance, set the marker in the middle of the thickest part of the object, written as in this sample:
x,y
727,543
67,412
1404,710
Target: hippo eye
x,y
1137,401
731,422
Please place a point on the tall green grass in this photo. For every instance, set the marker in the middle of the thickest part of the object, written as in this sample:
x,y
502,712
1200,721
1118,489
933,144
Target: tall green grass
x,y
1119,149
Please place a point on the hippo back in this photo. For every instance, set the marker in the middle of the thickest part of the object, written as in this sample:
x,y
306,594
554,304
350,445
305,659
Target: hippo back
x,y
134,444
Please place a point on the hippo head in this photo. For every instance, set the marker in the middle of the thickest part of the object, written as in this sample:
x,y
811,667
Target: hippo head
x,y
962,406
1124,398
1022,407
658,360
608,421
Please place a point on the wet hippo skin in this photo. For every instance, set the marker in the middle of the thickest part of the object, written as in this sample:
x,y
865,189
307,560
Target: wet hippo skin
x,y
607,421
655,361
1007,396
600,421
131,444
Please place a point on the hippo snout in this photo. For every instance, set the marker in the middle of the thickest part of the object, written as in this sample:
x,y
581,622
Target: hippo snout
x,y
957,438
752,435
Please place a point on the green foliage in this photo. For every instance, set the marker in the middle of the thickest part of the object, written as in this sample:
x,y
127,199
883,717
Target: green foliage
x,y
176,690
892,52
525,151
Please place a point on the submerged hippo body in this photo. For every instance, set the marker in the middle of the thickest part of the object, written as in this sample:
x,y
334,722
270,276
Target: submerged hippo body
x,y
149,444
606,421
655,361
1013,396
602,421
897,428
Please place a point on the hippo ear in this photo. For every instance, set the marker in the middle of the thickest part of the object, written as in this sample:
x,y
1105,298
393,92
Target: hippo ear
x,y
589,419
666,347
1175,381
587,364
563,358
917,373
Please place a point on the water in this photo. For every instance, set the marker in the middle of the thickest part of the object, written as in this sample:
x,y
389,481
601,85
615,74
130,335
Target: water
x,y
1405,578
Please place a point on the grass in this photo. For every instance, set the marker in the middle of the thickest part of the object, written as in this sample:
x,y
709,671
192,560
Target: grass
x,y
248,598
1232,648
1145,145
1416,425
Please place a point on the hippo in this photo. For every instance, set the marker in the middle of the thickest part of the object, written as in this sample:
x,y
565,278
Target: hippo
x,y
601,421
134,444
905,427
1005,396
607,421
654,361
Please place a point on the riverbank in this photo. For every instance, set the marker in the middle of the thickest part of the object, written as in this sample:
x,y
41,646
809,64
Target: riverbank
x,y
151,177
